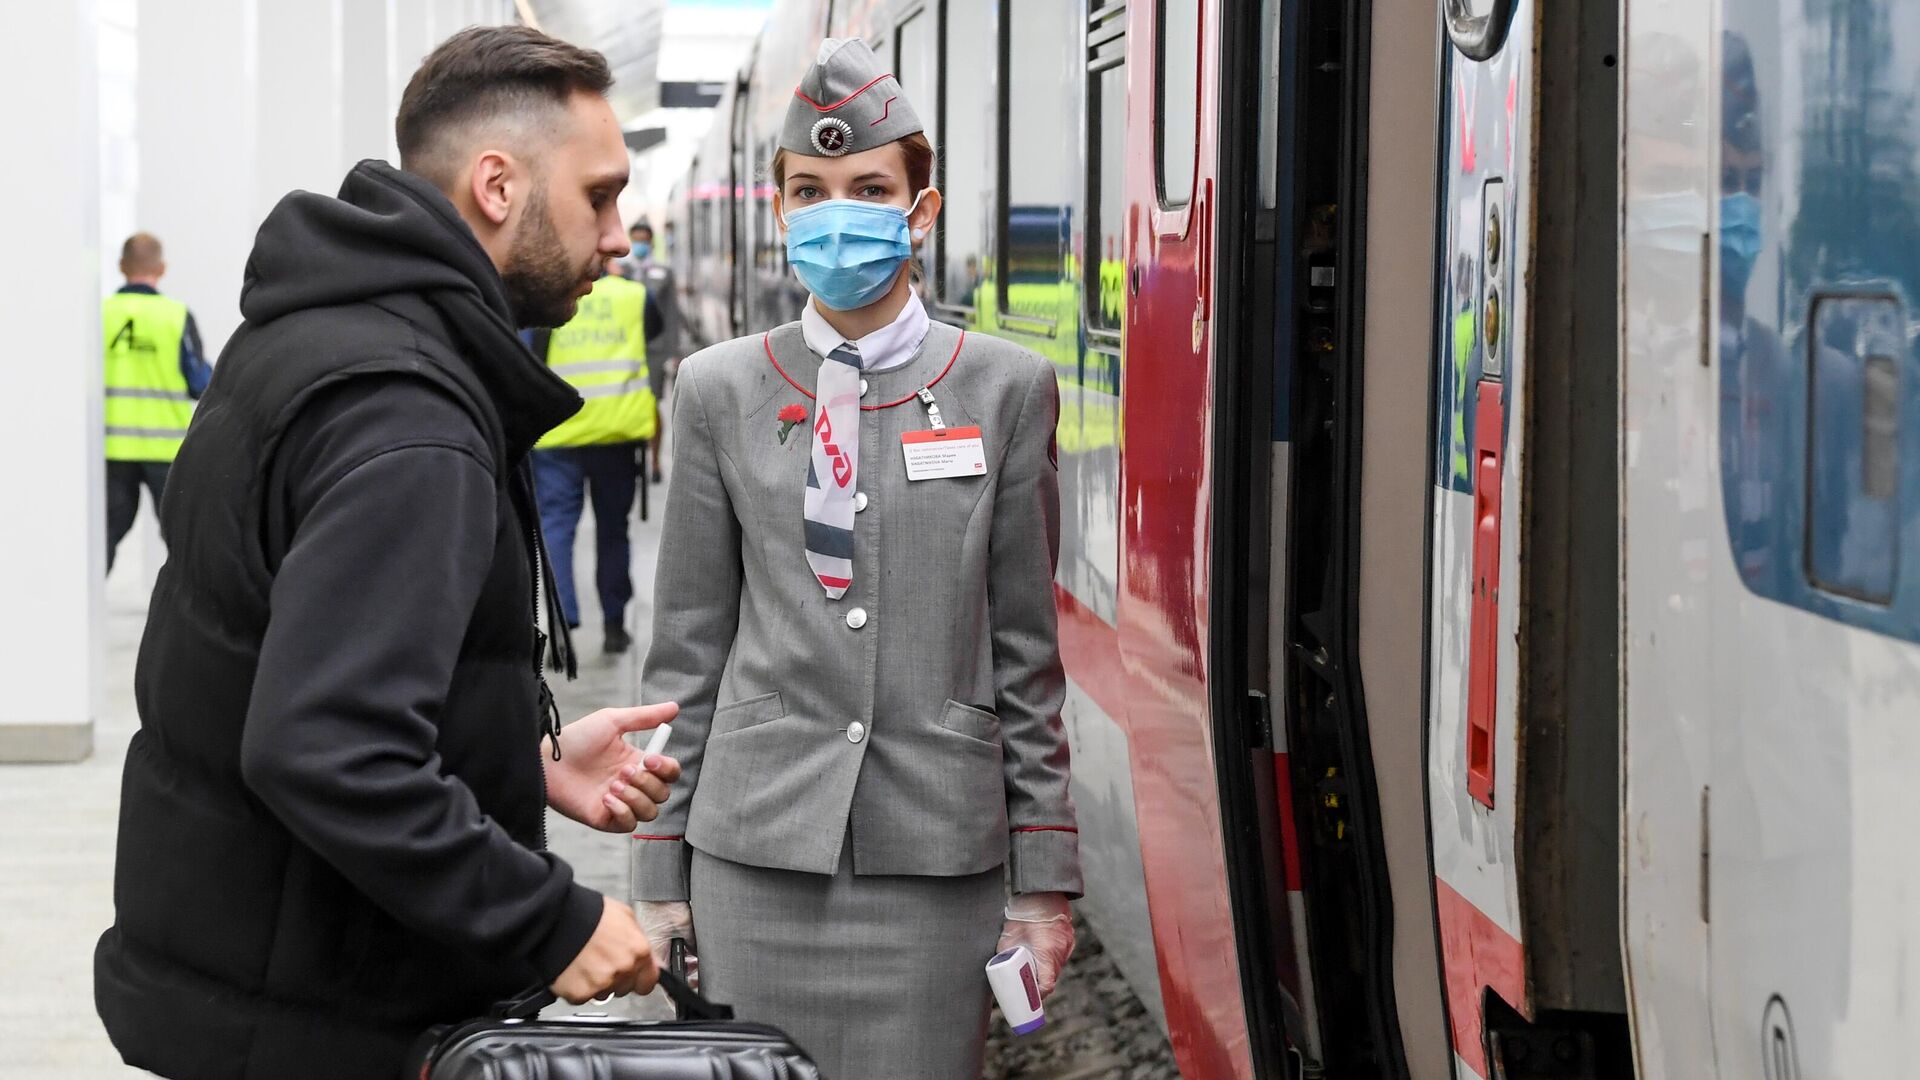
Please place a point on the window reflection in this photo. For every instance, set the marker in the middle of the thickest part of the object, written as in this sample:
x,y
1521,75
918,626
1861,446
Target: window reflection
x,y
1043,125
1179,88
966,149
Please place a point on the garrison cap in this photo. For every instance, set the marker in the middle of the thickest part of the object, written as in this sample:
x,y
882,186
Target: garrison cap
x,y
846,103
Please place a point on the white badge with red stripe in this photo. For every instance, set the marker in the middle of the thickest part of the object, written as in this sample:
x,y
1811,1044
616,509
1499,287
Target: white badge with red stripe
x,y
944,452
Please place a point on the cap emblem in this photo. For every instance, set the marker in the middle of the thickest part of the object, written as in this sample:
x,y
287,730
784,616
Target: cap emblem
x,y
832,136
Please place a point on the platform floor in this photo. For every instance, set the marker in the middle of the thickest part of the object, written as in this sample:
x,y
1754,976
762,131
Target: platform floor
x,y
57,826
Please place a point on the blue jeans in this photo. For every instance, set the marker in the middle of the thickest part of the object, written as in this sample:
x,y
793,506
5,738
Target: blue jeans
x,y
563,478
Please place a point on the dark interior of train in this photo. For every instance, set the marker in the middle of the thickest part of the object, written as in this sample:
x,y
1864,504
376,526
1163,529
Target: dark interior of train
x,y
1291,277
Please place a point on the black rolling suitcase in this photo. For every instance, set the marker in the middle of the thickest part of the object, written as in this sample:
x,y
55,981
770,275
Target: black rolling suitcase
x,y
512,1043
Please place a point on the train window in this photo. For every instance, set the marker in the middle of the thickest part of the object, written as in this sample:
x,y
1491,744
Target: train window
x,y
1853,434
966,157
1269,104
1106,193
1178,108
914,63
1039,159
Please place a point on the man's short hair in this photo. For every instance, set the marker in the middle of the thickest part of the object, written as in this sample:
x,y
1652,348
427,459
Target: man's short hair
x,y
482,73
141,254
638,226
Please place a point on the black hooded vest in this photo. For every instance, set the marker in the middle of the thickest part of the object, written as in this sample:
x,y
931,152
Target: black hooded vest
x,y
238,951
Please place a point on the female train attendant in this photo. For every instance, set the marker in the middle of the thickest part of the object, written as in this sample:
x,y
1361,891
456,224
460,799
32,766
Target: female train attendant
x,y
854,610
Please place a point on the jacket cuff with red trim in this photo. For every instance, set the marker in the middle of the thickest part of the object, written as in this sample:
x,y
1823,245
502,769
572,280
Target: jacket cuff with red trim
x,y
579,918
659,868
1046,859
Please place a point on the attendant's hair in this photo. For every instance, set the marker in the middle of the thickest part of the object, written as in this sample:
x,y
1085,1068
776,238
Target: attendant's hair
x,y
486,74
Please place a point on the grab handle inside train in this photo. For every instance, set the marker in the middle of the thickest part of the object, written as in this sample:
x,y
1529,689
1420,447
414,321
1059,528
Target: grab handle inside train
x,y
1479,37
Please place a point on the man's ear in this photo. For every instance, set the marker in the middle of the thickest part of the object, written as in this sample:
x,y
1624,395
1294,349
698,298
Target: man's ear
x,y
493,186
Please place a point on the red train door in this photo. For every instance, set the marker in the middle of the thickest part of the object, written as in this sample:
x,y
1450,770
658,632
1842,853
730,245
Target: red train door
x,y
1164,498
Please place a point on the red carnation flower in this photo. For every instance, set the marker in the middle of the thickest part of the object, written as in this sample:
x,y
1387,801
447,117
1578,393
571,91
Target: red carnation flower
x,y
789,416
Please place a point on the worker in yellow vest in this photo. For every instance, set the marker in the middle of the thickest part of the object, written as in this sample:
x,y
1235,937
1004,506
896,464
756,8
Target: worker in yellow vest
x,y
155,371
598,453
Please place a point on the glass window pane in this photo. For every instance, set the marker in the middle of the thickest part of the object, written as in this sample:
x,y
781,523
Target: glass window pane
x,y
913,65
966,154
1853,459
1042,77
1179,86
1108,121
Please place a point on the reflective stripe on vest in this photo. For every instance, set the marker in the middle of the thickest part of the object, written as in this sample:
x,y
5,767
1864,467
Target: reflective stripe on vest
x,y
148,406
602,353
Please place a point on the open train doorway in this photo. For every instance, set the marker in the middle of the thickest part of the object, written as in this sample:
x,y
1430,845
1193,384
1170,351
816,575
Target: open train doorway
x,y
1322,319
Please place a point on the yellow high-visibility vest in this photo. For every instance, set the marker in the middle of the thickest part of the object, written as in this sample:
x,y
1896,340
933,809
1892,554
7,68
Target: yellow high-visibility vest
x,y
148,406
602,353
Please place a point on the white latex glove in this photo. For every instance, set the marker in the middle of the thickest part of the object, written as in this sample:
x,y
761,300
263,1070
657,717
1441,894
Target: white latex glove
x,y
1044,924
664,920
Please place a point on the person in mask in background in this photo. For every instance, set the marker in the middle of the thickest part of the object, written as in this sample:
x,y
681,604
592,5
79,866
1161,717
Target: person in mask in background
x,y
1757,392
645,265
854,609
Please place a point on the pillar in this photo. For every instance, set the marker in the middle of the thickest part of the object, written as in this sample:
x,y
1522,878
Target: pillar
x,y
51,473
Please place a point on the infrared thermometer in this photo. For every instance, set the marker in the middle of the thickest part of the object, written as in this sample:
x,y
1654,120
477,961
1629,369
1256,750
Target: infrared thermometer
x,y
659,740
1017,989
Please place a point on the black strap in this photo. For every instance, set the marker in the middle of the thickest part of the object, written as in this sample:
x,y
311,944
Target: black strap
x,y
692,1006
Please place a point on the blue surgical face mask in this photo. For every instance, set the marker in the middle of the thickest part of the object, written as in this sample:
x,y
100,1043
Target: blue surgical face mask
x,y
846,252
1740,241
641,249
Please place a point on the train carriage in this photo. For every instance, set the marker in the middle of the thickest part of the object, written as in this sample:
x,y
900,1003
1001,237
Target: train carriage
x,y
1481,586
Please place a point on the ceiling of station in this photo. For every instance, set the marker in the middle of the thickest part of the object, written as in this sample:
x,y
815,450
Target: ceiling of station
x,y
627,33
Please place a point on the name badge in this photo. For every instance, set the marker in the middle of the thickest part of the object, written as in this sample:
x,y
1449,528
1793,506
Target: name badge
x,y
944,452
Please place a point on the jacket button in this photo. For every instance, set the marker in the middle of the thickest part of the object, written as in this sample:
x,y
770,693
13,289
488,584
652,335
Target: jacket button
x,y
863,388
859,501
857,618
856,731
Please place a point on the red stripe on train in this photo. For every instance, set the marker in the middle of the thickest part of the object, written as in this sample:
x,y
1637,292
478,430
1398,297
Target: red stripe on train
x,y
1478,956
1090,649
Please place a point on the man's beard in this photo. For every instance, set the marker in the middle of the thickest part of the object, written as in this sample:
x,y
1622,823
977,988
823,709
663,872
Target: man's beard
x,y
540,281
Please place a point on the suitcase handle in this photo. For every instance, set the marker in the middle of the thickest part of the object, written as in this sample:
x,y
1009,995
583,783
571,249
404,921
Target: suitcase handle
x,y
692,1005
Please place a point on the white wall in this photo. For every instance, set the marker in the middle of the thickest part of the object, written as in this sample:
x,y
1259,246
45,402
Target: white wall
x,y
189,119
51,475
242,101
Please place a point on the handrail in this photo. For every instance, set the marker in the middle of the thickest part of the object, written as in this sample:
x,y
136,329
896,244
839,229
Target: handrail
x,y
1478,37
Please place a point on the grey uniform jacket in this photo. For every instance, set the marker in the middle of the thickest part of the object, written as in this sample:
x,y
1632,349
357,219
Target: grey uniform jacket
x,y
928,735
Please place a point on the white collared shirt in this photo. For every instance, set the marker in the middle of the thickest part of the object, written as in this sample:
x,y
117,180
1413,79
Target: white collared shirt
x,y
888,347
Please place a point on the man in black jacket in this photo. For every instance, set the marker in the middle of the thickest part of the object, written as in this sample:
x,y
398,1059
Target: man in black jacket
x,y
332,828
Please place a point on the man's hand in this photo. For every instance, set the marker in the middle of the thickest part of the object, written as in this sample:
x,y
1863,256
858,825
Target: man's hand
x,y
617,959
601,781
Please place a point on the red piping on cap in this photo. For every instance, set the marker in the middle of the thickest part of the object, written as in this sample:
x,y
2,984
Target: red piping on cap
x,y
829,108
885,110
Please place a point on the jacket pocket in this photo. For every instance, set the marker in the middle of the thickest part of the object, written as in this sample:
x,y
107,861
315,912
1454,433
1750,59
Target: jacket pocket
x,y
746,713
972,722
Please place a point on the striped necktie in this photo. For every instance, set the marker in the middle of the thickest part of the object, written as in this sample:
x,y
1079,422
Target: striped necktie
x,y
831,472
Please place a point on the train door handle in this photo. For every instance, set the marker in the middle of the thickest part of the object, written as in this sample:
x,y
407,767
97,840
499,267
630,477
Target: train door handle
x,y
1478,37
1483,623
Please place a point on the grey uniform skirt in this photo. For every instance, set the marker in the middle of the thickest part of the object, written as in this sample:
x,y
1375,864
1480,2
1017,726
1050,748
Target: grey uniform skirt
x,y
877,978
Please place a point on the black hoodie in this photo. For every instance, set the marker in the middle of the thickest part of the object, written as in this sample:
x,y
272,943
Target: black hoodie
x,y
332,818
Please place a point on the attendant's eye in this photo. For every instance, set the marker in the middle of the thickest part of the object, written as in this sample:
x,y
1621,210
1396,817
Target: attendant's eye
x,y
873,191
806,192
